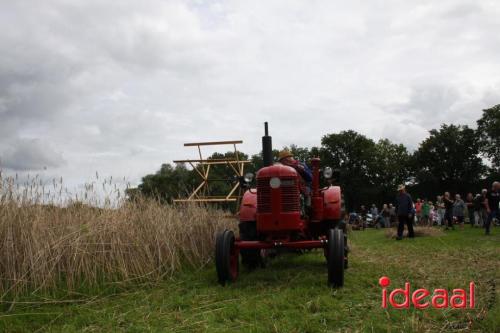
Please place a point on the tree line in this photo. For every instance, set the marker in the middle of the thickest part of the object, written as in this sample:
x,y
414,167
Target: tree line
x,y
454,158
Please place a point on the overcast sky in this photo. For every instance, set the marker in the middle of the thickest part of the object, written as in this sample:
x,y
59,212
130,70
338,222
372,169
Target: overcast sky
x,y
119,87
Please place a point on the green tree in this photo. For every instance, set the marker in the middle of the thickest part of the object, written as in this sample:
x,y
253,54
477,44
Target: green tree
x,y
300,153
448,160
353,155
488,128
369,171
391,167
167,183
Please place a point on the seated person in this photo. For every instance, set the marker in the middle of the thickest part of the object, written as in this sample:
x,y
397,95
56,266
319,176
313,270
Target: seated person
x,y
286,158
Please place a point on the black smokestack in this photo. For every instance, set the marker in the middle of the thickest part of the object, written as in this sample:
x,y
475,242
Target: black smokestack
x,y
267,147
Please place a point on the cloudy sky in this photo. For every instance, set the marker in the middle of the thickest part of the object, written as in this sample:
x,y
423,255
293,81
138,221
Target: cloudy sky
x,y
117,87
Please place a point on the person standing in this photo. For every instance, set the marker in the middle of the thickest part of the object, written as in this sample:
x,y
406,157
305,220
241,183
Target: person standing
x,y
478,203
492,200
425,212
469,202
374,213
418,210
440,210
404,209
432,214
459,210
448,211
392,214
386,214
483,210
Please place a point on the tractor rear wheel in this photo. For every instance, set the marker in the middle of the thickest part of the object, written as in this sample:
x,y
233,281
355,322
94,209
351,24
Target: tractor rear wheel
x,y
335,258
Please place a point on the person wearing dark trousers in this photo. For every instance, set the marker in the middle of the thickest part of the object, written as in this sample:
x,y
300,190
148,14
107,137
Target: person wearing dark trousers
x,y
448,211
404,209
492,197
459,210
469,202
483,210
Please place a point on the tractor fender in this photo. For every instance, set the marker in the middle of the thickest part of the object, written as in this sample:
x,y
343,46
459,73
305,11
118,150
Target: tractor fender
x,y
332,201
248,207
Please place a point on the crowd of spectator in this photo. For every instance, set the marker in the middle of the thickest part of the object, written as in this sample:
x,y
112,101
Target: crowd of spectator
x,y
479,210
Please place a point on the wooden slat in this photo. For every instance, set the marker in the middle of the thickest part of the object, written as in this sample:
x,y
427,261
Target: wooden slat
x,y
213,161
197,189
206,200
211,143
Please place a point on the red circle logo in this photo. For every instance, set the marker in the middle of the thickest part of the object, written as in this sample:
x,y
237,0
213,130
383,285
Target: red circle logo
x,y
384,281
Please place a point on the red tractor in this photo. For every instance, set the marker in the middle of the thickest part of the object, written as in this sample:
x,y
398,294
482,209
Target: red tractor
x,y
280,214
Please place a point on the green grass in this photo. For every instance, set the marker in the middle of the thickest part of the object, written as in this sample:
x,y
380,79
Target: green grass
x,y
291,295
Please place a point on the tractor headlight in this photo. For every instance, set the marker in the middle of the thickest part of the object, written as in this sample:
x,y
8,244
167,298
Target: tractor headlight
x,y
327,173
275,182
248,177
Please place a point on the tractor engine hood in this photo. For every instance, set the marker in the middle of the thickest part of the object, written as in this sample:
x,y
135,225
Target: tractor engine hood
x,y
277,170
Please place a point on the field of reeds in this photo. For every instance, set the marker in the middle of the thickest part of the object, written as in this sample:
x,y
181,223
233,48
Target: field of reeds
x,y
51,240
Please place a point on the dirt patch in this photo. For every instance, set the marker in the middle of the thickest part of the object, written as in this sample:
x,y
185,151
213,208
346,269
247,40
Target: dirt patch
x,y
419,232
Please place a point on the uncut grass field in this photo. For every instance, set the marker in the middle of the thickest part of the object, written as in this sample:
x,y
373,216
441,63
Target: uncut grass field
x,y
290,295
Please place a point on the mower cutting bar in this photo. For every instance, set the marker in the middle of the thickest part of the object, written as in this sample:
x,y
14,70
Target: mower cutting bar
x,y
311,244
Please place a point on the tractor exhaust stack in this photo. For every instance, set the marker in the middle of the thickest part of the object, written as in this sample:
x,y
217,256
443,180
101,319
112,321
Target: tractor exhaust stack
x,y
267,147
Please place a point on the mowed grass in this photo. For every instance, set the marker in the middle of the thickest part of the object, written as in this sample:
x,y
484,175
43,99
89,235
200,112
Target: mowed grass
x,y
291,294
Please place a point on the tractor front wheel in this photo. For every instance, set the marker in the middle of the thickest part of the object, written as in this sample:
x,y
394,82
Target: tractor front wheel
x,y
226,257
335,258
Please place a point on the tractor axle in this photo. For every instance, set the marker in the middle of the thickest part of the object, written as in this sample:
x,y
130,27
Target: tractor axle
x,y
309,244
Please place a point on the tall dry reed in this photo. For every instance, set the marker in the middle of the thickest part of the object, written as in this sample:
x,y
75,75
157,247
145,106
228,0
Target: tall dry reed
x,y
45,246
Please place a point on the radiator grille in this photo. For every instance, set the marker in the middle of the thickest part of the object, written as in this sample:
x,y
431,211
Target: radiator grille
x,y
290,201
289,195
263,195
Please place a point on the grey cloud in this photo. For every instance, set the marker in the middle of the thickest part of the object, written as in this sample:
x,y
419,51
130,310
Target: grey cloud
x,y
117,87
30,154
463,9
429,105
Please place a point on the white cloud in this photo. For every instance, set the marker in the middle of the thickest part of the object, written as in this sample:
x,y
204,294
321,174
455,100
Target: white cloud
x,y
118,87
